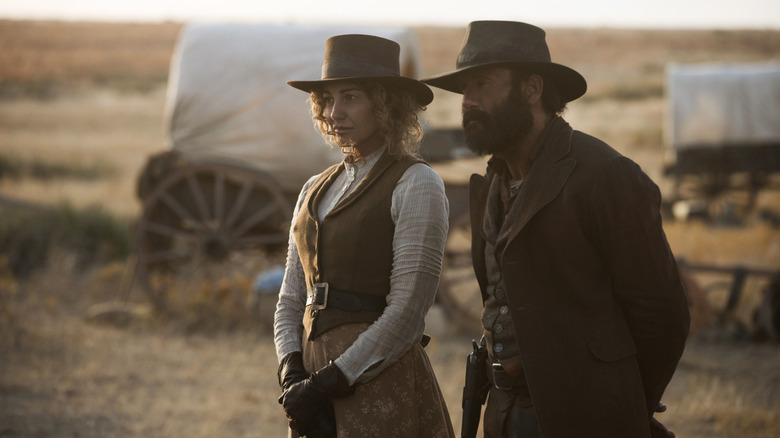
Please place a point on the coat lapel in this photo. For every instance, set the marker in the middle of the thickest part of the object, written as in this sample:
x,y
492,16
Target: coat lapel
x,y
546,178
478,192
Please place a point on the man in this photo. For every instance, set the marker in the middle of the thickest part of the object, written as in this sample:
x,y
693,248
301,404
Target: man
x,y
585,317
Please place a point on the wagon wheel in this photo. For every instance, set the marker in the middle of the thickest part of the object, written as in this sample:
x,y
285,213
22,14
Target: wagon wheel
x,y
458,290
205,232
726,197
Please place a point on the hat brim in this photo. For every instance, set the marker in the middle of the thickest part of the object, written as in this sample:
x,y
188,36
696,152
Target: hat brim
x,y
421,91
571,85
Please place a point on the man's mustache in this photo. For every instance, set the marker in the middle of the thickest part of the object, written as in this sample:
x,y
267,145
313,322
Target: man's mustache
x,y
475,115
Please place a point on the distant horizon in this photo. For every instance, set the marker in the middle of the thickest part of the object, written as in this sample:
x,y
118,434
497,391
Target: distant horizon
x,y
654,14
118,21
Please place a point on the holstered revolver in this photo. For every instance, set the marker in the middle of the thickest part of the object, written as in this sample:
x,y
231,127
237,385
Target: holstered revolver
x,y
475,390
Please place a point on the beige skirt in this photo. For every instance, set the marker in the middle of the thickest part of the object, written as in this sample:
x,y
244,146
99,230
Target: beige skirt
x,y
403,401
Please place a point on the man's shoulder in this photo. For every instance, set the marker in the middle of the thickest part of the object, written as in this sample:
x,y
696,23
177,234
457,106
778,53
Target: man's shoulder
x,y
588,146
598,160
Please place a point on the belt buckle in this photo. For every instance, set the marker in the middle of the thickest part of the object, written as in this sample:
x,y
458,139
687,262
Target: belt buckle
x,y
501,379
319,290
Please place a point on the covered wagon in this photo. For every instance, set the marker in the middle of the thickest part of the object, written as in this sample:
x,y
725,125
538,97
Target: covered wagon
x,y
722,136
217,202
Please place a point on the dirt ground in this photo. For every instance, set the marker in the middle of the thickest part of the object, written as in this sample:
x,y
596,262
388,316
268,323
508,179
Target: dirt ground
x,y
67,373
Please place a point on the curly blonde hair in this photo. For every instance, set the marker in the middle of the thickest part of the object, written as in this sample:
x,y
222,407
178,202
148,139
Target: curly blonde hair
x,y
396,110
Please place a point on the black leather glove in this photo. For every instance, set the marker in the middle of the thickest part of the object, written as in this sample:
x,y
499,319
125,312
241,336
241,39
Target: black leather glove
x,y
303,400
324,423
658,430
291,370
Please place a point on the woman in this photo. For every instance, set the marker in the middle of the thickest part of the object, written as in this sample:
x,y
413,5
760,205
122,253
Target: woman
x,y
364,258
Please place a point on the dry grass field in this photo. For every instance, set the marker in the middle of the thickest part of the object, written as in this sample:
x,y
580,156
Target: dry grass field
x,y
88,97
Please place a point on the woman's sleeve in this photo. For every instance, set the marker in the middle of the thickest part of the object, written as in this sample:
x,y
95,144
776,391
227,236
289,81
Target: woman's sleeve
x,y
288,328
420,213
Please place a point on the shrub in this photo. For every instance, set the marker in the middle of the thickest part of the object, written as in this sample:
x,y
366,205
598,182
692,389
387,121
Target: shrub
x,y
27,236
14,168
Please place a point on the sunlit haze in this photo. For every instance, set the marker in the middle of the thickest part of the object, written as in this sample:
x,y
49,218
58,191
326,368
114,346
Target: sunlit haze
x,y
755,14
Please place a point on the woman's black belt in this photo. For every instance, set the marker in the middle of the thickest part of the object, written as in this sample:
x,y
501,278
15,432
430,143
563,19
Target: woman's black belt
x,y
322,296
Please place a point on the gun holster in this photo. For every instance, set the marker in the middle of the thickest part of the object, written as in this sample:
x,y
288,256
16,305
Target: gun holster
x,y
475,390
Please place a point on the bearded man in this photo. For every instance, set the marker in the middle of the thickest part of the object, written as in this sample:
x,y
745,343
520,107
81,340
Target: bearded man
x,y
585,317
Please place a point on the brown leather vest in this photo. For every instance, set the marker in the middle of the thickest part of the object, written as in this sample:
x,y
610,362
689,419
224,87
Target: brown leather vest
x,y
351,249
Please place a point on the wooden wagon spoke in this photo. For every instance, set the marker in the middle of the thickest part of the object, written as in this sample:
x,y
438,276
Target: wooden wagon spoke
x,y
253,220
219,196
165,230
180,210
200,200
238,205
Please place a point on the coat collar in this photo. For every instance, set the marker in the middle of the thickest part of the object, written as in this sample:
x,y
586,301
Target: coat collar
x,y
544,182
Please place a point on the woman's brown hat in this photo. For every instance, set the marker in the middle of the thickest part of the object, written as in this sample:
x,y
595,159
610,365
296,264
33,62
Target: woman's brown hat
x,y
509,43
360,57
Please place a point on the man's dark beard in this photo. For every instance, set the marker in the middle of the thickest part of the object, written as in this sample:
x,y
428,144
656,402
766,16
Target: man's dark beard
x,y
500,131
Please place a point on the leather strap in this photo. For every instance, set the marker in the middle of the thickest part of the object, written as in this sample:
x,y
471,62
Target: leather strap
x,y
345,300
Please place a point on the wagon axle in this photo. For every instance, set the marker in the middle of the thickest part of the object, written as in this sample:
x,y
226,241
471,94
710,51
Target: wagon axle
x,y
215,247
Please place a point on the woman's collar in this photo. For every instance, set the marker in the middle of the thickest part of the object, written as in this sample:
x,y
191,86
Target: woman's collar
x,y
367,161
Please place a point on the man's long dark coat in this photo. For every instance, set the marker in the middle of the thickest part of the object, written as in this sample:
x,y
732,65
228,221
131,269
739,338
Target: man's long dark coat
x,y
593,287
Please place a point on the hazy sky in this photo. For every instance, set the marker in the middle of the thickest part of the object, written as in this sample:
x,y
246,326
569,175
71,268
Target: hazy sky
x,y
578,13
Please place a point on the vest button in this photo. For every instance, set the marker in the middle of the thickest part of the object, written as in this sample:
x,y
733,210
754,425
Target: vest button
x,y
503,310
498,328
498,348
499,293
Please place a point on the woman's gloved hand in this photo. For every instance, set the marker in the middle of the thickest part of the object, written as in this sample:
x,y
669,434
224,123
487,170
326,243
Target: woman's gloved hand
x,y
303,400
323,425
291,370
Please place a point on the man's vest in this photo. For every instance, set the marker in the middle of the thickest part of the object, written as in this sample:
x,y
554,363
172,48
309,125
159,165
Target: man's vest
x,y
351,249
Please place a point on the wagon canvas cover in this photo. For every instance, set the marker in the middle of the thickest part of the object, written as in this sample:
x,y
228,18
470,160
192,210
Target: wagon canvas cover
x,y
228,98
718,105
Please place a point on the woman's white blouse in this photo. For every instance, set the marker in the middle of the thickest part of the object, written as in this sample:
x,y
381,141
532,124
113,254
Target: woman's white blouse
x,y
419,211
